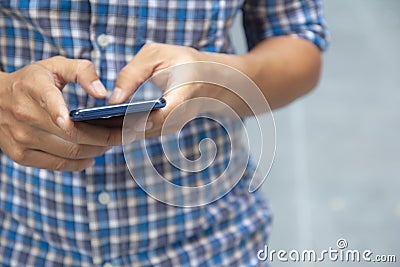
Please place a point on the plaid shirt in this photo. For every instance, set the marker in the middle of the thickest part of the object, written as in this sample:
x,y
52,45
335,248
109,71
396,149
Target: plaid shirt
x,y
100,216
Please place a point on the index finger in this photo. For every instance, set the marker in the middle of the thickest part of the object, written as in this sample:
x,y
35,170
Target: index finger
x,y
44,91
55,73
87,134
80,71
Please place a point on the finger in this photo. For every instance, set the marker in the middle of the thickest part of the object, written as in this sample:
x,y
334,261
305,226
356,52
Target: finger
x,y
79,133
159,123
43,160
78,71
44,92
176,110
59,147
135,73
85,133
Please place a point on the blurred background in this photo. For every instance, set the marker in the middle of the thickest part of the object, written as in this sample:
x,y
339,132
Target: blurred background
x,y
337,166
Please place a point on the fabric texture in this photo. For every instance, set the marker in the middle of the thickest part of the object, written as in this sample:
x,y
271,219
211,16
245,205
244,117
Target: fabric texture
x,y
50,218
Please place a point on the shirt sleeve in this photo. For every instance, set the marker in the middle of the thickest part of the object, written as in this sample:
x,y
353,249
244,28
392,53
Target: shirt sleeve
x,y
299,18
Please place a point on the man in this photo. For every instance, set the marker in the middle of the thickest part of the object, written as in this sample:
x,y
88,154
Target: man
x,y
66,196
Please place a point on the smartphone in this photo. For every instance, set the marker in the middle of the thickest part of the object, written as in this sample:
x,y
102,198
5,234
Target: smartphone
x,y
113,115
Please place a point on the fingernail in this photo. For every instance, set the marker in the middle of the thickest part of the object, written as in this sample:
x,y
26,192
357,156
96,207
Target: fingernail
x,y
116,95
99,88
61,123
149,125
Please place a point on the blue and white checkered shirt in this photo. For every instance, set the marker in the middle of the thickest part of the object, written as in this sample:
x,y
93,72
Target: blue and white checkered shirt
x,y
101,216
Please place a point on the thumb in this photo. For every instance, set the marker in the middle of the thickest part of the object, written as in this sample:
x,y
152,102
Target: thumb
x,y
137,71
78,71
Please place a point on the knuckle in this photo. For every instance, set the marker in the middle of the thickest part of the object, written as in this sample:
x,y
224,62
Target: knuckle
x,y
140,79
150,50
22,137
18,154
190,54
72,135
44,97
84,64
109,139
74,151
21,85
83,67
125,76
124,73
151,46
18,85
58,58
112,139
21,113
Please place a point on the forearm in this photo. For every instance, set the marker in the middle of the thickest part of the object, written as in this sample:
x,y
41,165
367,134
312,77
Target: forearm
x,y
284,68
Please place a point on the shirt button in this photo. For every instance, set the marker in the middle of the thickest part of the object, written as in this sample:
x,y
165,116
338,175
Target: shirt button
x,y
104,198
107,264
103,40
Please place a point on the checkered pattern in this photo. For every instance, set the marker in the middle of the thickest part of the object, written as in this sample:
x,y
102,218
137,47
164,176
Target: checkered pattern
x,y
55,218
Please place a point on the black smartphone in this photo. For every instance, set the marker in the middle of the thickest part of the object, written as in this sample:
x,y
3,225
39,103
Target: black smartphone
x,y
112,115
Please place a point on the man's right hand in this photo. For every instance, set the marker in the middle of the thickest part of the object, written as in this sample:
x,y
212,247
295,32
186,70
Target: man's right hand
x,y
35,128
